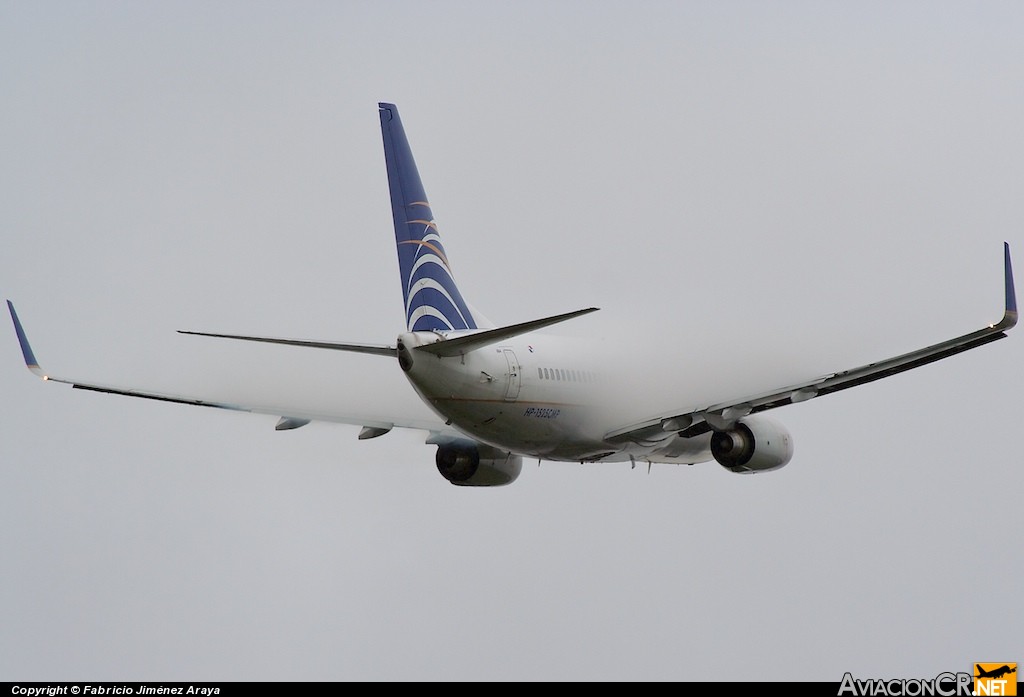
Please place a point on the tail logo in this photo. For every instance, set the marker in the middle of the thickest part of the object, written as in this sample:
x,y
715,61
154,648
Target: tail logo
x,y
432,300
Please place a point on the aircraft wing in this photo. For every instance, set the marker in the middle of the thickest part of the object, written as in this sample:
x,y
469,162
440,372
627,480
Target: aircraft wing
x,y
723,415
289,417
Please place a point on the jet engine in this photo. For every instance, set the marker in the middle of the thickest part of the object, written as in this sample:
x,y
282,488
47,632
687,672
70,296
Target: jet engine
x,y
465,462
753,444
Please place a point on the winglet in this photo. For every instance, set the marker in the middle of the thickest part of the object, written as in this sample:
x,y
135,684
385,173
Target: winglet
x,y
1010,316
26,349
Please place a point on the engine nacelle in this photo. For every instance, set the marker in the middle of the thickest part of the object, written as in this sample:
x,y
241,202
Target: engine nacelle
x,y
754,444
465,462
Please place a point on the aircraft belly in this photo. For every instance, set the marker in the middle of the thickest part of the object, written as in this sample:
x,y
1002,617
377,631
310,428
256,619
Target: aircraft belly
x,y
559,432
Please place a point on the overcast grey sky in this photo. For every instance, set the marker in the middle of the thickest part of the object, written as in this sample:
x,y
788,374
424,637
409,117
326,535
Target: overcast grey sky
x,y
811,183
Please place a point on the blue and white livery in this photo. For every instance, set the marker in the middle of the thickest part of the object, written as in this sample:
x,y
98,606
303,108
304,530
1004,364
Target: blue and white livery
x,y
432,300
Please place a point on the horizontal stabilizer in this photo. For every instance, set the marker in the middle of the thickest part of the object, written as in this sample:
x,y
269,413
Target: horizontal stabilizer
x,y
374,349
469,342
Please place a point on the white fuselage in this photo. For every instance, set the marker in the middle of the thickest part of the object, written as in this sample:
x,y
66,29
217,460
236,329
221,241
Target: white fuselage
x,y
540,396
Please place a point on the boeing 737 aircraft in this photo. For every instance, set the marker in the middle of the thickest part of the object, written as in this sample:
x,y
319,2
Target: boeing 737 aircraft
x,y
504,393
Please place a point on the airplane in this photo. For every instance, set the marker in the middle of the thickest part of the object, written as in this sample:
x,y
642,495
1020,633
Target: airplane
x,y
996,673
504,393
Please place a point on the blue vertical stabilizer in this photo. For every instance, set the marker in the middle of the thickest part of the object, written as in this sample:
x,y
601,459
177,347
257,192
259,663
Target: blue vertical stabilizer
x,y
432,300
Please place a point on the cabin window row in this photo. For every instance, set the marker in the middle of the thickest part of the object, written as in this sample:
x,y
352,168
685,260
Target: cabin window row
x,y
566,375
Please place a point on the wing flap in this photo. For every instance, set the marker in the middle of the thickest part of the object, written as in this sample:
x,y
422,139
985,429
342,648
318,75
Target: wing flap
x,y
152,395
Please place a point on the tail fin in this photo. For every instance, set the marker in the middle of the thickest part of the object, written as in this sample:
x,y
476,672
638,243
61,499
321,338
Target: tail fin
x,y
432,300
